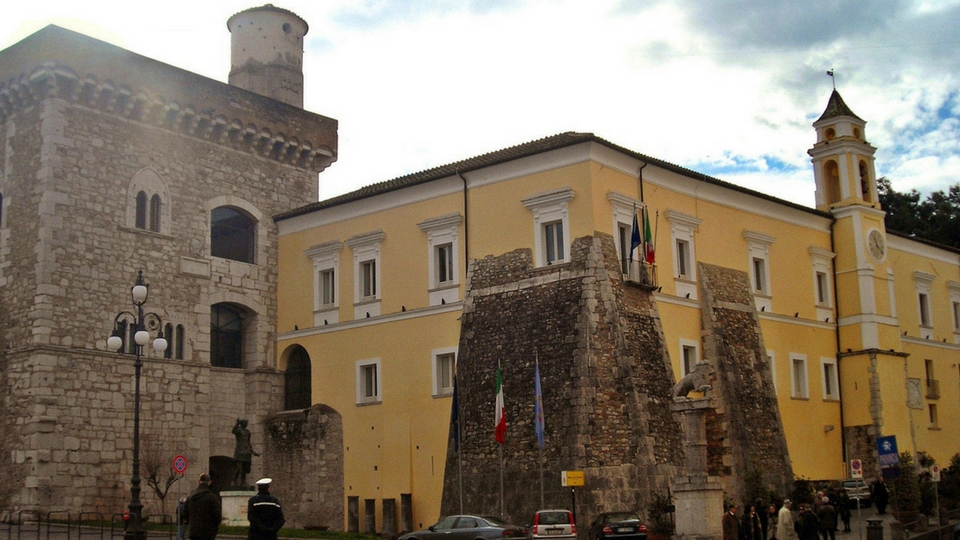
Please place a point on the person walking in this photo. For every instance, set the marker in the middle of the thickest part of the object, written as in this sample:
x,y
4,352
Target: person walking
x,y
806,524
750,525
764,518
730,523
843,508
786,526
264,513
772,519
880,495
202,511
827,516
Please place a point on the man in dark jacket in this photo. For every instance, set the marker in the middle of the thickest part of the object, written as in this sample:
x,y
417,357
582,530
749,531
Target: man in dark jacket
x,y
827,516
806,524
264,513
201,512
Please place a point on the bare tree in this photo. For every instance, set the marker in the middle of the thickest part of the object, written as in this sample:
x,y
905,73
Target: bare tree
x,y
156,459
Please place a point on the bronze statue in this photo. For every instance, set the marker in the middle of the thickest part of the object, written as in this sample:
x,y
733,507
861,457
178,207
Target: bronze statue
x,y
244,452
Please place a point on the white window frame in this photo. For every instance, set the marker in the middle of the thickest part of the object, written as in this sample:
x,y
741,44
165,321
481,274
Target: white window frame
x,y
325,257
437,356
682,228
442,231
924,283
624,208
772,364
758,250
361,371
549,207
366,247
686,345
830,379
799,389
821,261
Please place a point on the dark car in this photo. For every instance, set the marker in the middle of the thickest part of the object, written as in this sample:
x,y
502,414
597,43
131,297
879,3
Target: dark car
x,y
619,526
468,528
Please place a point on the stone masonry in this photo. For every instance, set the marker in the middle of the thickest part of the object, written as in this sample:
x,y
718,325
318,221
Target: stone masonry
x,y
82,125
745,433
606,382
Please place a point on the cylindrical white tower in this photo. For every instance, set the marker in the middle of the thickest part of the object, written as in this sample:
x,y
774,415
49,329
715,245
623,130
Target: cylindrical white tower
x,y
266,52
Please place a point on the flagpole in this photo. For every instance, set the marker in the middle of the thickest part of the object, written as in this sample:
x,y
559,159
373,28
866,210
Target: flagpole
x,y
459,449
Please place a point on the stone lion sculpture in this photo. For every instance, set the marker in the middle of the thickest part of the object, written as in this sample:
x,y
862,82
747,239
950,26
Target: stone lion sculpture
x,y
697,380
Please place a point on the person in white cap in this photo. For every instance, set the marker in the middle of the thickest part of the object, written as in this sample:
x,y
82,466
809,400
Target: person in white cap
x,y
264,513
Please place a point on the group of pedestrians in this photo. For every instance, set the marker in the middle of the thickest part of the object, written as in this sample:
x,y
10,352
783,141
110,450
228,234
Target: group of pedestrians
x,y
812,522
200,513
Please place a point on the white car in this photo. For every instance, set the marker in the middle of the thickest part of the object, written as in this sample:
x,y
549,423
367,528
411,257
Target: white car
x,y
858,491
553,524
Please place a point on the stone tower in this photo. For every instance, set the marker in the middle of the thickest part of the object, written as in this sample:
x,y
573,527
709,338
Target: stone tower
x,y
266,53
110,163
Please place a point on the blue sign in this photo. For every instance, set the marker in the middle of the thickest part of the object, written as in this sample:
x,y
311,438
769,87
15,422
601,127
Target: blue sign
x,y
887,451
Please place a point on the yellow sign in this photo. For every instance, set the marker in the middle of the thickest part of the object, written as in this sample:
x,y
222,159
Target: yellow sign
x,y
571,478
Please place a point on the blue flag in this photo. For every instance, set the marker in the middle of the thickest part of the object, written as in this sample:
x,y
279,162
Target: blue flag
x,y
635,240
538,406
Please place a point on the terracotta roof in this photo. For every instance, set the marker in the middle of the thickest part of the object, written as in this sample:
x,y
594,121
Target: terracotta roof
x,y
836,107
497,157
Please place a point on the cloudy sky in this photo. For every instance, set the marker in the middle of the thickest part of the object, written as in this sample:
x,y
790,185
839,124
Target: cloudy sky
x,y
725,87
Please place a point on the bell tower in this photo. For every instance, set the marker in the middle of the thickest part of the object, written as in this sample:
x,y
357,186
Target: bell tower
x,y
266,53
843,164
843,161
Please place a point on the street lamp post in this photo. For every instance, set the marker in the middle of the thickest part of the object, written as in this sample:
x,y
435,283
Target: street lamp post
x,y
140,325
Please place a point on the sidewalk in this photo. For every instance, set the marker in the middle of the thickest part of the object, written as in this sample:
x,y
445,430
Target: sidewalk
x,y
858,526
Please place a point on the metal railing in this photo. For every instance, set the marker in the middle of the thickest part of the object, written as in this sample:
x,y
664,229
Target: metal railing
x,y
639,273
61,525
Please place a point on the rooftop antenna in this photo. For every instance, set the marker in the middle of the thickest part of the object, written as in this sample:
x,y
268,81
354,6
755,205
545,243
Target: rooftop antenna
x,y
832,78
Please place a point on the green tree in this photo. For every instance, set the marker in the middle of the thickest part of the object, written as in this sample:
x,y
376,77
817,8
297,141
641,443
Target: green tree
x,y
936,218
906,487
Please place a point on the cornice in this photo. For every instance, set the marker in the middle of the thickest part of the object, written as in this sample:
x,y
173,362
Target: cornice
x,y
252,134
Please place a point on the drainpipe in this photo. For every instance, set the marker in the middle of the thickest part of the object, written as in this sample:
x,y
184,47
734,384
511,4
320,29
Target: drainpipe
x,y
466,235
836,336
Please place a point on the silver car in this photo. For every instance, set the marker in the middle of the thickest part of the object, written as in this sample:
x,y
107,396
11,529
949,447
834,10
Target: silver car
x,y
858,491
553,524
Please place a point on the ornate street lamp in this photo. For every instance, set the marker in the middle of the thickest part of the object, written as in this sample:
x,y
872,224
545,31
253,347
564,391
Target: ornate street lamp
x,y
140,325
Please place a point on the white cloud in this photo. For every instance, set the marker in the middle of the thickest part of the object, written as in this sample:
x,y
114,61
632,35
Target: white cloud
x,y
419,84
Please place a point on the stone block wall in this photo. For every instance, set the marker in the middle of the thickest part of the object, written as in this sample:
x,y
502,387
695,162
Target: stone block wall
x,y
606,385
304,453
745,433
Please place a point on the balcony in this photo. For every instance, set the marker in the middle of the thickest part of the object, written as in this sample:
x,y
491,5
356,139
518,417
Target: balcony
x,y
933,389
640,274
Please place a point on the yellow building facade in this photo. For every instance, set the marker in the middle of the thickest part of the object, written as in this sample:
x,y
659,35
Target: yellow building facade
x,y
860,326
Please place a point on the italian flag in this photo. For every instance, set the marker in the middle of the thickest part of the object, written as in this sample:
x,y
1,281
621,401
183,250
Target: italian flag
x,y
500,430
650,255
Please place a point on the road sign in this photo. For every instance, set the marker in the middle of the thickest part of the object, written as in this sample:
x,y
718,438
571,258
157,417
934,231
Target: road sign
x,y
935,473
856,468
179,464
887,451
571,478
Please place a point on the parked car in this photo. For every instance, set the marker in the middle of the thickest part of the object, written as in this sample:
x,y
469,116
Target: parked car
x,y
468,528
858,491
617,526
553,524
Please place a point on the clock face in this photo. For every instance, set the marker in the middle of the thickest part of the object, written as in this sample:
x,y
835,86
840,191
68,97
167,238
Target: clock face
x,y
876,245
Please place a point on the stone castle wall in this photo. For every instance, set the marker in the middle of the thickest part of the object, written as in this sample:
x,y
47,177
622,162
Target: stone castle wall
x,y
606,387
68,258
745,433
304,453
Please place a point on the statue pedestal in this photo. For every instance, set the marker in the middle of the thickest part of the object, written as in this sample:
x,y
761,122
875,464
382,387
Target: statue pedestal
x,y
234,505
699,502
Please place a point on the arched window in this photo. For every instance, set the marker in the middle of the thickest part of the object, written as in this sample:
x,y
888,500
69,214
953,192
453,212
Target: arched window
x,y
141,219
233,234
296,380
831,180
864,181
226,336
179,342
168,334
155,213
